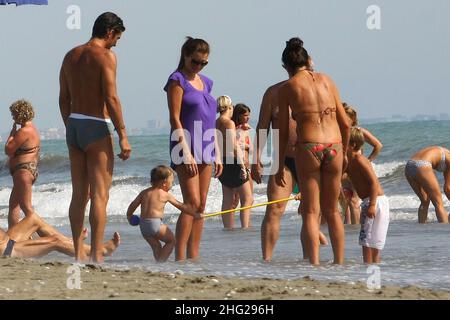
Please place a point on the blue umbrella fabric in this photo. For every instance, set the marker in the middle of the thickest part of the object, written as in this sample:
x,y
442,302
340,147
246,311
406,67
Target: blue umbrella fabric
x,y
21,2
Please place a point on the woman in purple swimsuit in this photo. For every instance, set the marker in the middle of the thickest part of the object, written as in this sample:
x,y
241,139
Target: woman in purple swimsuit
x,y
193,147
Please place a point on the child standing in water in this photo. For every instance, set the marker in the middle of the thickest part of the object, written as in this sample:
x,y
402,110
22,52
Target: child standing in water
x,y
152,201
374,206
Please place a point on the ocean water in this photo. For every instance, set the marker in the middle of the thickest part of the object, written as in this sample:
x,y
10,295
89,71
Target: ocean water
x,y
414,254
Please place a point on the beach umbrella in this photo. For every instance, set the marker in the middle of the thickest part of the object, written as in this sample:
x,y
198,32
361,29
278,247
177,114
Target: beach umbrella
x,y
21,2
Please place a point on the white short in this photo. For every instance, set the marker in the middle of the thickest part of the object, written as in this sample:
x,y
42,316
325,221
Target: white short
x,y
373,231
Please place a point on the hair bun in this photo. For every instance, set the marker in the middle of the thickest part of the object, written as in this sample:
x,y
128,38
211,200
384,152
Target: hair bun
x,y
294,43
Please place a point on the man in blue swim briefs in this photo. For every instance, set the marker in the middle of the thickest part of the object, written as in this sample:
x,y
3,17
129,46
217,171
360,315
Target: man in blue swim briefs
x,y
91,109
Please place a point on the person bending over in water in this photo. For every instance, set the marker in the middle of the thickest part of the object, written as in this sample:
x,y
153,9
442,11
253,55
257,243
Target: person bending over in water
x,y
419,173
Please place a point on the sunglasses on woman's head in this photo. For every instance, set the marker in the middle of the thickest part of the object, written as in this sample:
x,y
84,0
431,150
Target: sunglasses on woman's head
x,y
199,63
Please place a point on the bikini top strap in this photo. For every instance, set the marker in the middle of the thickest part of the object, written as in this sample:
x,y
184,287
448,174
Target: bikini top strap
x,y
22,151
442,165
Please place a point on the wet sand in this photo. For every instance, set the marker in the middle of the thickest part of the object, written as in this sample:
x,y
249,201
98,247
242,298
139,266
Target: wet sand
x,y
37,279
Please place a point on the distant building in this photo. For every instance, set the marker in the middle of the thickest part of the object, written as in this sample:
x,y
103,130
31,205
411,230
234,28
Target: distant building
x,y
154,124
53,134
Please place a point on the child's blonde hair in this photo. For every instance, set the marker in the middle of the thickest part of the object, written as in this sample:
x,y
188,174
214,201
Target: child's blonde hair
x,y
22,110
160,173
223,103
356,138
351,113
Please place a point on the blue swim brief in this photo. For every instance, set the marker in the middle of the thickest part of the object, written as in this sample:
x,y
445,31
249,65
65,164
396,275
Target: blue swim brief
x,y
82,130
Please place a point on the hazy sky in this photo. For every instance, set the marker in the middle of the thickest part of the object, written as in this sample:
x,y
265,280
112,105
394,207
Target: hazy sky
x,y
402,68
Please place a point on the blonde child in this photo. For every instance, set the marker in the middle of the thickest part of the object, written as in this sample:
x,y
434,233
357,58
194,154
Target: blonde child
x,y
152,201
374,206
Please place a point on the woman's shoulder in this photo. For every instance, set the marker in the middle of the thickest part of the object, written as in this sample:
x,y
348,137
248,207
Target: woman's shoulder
x,y
176,76
207,81
226,122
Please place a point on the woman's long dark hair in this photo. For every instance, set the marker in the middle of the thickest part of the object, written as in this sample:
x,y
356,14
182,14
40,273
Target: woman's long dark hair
x,y
294,55
190,47
239,110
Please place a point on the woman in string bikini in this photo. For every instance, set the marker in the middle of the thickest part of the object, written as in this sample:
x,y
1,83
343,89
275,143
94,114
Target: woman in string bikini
x,y
22,147
323,134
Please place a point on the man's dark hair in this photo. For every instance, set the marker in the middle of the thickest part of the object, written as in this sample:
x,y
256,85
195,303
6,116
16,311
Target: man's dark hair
x,y
105,22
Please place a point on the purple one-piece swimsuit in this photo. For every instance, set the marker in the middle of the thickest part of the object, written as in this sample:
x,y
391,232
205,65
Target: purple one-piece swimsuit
x,y
198,118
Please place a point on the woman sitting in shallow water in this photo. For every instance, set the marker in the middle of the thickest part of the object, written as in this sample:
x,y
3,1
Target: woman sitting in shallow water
x,y
22,147
419,173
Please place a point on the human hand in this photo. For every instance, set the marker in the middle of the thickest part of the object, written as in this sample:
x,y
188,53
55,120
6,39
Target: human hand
x,y
13,130
125,148
257,171
279,177
371,211
199,215
244,173
298,197
190,165
344,163
218,168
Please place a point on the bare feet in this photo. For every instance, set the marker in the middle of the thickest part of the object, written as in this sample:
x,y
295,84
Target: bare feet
x,y
323,239
111,245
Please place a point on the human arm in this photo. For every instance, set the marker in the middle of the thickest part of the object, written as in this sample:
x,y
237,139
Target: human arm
x,y
183,207
374,142
262,131
283,115
342,119
218,165
447,182
64,95
133,206
15,140
238,149
112,101
372,181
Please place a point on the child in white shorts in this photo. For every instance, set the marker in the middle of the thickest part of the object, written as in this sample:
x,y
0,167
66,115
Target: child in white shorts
x,y
374,230
375,205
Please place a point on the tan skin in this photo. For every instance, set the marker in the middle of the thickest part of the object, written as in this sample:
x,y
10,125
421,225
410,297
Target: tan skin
x,y
270,227
320,184
366,184
88,86
350,204
269,117
227,129
194,178
51,240
153,201
26,137
426,186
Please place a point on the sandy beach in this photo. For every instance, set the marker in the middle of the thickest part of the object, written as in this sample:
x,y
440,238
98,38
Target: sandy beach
x,y
34,279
